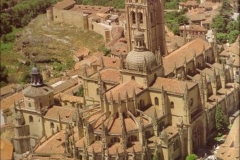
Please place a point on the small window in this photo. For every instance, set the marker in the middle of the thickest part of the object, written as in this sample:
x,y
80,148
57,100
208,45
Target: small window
x,y
140,17
156,101
29,105
133,17
172,105
52,125
30,119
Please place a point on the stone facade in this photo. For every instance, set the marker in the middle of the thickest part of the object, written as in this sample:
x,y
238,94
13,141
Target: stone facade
x,y
137,107
146,16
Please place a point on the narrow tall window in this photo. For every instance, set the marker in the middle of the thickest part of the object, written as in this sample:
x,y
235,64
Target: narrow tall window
x,y
30,119
51,125
156,101
140,17
133,17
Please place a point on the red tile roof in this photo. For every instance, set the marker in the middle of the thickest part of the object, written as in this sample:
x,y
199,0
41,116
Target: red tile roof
x,y
172,85
69,98
230,148
123,88
9,101
82,52
188,50
53,145
193,27
66,114
112,75
6,149
108,62
64,4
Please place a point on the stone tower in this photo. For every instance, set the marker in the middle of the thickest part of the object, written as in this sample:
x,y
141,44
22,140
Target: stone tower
x,y
21,139
38,98
147,16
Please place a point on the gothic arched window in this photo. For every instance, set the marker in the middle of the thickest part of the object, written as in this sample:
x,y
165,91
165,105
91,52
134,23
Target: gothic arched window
x,y
133,17
30,119
140,17
156,101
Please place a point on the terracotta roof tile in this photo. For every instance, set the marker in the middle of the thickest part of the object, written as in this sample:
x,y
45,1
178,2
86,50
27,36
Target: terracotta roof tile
x,y
66,114
98,54
188,50
82,52
189,3
193,27
230,148
123,88
64,4
115,125
117,147
172,85
65,85
6,149
108,62
9,101
69,98
54,144
97,146
136,147
112,75
86,62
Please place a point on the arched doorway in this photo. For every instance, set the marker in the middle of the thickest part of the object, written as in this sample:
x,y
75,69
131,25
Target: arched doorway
x,y
197,135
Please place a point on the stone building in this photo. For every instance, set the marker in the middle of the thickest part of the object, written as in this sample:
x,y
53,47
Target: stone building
x,y
137,107
192,31
96,18
147,16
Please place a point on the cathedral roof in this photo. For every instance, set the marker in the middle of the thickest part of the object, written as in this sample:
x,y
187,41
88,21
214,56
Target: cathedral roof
x,y
9,101
172,85
69,98
112,75
53,144
108,62
66,114
123,88
31,91
187,51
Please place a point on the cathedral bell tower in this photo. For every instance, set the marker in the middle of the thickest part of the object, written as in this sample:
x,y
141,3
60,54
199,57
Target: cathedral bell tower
x,y
147,16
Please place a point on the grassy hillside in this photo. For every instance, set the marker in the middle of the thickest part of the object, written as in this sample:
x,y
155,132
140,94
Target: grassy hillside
x,y
50,45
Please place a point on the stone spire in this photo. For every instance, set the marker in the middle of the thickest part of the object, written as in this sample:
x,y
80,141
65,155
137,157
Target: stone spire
x,y
155,122
36,80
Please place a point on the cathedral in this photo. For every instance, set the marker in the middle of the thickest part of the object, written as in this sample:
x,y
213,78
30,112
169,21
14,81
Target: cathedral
x,y
149,104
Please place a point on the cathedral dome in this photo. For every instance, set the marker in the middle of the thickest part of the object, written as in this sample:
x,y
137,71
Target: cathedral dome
x,y
137,60
140,58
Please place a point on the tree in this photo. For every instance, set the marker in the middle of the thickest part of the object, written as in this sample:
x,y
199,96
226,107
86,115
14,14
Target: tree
x,y
191,157
222,38
80,92
232,36
156,156
221,123
5,26
3,75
